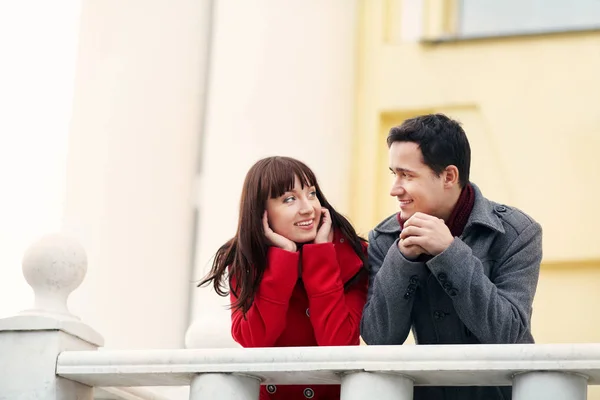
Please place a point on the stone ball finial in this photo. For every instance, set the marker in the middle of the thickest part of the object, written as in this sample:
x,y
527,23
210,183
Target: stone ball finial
x,y
54,266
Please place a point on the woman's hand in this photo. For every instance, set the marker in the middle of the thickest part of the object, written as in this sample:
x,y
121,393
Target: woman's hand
x,y
275,239
325,233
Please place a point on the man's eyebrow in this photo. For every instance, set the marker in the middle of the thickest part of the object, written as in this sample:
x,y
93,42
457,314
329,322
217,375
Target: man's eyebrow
x,y
398,169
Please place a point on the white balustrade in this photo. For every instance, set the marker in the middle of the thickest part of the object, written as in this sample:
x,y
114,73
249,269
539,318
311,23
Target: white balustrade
x,y
48,353
449,365
30,342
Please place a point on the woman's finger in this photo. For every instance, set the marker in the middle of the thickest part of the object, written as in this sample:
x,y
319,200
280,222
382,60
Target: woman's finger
x,y
266,222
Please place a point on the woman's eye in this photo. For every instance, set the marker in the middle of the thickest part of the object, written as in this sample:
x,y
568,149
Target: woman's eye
x,y
312,193
288,199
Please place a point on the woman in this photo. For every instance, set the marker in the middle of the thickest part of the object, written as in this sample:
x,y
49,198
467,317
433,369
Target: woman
x,y
295,269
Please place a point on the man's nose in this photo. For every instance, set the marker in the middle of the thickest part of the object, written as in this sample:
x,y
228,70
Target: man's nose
x,y
397,189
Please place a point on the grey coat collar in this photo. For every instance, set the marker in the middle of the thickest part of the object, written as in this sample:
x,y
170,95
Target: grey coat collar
x,y
484,213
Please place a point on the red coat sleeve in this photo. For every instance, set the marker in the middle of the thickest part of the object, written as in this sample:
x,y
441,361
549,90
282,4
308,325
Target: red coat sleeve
x,y
266,318
334,313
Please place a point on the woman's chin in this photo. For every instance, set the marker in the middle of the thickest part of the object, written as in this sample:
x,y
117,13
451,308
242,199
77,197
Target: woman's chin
x,y
305,238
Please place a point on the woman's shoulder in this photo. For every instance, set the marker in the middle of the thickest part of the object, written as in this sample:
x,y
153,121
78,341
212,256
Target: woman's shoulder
x,y
340,238
350,262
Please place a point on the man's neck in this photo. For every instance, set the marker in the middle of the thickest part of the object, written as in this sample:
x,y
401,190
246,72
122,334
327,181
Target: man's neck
x,y
457,221
452,202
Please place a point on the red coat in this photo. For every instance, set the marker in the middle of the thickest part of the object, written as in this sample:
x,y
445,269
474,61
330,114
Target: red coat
x,y
312,311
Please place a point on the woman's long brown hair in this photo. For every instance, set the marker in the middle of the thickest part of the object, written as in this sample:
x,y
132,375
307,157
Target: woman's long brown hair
x,y
245,255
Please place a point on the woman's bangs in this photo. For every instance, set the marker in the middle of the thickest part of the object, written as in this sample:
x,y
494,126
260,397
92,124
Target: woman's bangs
x,y
281,175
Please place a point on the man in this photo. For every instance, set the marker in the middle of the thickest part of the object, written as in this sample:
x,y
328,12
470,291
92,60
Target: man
x,y
452,265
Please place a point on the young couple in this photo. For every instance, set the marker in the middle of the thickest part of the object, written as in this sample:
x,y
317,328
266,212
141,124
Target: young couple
x,y
452,265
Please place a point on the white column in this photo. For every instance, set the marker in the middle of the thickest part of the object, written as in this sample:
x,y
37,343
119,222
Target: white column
x,y
549,386
376,385
133,154
224,387
282,82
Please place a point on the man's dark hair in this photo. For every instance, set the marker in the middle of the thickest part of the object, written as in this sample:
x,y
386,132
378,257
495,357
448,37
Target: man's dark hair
x,y
442,141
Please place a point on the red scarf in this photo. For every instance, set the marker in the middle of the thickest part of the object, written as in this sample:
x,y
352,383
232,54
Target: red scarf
x,y
460,214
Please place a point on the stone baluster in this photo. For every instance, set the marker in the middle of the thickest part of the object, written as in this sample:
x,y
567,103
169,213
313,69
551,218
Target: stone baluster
x,y
549,385
224,387
200,335
376,385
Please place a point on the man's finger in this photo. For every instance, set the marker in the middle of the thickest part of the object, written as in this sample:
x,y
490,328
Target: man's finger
x,y
417,248
417,220
412,231
413,241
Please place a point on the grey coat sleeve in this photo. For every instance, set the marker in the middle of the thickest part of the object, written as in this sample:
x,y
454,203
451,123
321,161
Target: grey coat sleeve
x,y
498,311
393,281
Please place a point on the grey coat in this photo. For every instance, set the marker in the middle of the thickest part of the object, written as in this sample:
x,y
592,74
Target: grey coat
x,y
479,290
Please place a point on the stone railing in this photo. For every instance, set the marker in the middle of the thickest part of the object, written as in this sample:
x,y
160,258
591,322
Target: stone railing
x,y
46,353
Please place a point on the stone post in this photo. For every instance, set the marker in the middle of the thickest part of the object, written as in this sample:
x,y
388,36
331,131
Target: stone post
x,y
30,342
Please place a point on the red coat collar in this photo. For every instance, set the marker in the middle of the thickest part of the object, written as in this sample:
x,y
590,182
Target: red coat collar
x,y
350,262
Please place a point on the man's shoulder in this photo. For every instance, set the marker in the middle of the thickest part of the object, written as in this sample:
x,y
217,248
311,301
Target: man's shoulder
x,y
390,225
383,236
512,218
517,232
500,217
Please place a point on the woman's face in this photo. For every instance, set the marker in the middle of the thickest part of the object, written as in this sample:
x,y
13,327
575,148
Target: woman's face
x,y
296,214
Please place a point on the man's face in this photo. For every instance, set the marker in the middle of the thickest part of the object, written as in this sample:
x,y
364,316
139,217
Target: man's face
x,y
415,185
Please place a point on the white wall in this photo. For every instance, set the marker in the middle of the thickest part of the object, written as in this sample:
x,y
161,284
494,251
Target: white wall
x,y
282,77
38,41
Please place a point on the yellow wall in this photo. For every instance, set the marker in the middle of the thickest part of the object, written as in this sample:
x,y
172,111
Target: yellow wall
x,y
530,106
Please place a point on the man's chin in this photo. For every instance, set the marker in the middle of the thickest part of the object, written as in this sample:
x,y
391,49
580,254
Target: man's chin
x,y
404,215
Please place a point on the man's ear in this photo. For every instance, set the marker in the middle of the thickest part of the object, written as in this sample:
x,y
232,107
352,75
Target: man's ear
x,y
450,176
